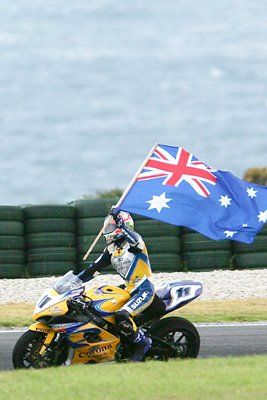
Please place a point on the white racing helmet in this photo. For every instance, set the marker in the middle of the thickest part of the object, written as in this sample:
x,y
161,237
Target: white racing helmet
x,y
110,230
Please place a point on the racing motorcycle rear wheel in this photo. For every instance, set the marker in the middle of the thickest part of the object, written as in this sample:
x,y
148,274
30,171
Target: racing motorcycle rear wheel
x,y
177,334
26,352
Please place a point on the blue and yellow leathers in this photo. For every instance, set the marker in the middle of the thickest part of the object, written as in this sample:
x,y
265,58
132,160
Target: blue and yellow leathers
x,y
130,259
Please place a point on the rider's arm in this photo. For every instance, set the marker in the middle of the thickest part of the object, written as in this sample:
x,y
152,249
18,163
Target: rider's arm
x,y
101,262
133,238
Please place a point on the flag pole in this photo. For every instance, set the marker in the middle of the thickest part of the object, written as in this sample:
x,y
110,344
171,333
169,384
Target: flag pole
x,y
129,187
126,191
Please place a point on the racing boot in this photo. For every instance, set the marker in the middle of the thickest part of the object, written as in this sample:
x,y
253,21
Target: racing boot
x,y
142,344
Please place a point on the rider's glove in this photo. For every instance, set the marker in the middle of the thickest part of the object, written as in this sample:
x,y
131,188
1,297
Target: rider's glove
x,y
115,211
76,302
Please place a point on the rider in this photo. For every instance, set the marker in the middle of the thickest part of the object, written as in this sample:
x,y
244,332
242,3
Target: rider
x,y
127,253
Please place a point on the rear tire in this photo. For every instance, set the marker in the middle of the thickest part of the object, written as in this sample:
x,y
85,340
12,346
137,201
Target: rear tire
x,y
26,352
179,333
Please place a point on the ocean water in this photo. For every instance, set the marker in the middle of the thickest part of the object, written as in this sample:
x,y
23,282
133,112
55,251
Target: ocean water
x,y
87,88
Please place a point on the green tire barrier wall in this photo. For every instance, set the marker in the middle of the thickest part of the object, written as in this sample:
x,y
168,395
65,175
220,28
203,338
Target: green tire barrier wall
x,y
252,255
44,240
50,239
201,253
12,254
163,244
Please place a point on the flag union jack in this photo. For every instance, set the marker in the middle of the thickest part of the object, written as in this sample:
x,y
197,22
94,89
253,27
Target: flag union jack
x,y
177,169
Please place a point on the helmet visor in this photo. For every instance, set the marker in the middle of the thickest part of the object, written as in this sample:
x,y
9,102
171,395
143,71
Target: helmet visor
x,y
109,228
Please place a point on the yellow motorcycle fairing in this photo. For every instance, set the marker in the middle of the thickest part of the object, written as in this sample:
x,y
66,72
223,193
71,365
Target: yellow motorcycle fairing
x,y
107,299
53,306
103,347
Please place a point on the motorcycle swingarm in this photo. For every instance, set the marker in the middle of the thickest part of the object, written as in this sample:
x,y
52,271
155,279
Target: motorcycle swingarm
x,y
160,346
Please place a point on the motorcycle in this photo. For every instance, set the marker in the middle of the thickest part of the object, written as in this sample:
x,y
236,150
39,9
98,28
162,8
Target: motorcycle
x,y
70,331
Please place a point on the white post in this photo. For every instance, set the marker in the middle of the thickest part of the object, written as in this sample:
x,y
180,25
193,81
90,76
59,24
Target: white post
x,y
126,191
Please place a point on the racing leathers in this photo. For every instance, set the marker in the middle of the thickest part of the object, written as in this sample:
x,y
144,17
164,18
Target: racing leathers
x,y
129,257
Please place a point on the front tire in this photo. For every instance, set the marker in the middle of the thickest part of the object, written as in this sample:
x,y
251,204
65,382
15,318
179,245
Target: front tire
x,y
26,352
178,332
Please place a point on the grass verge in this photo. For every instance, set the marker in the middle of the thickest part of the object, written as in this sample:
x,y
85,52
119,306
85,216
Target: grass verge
x,y
202,379
245,310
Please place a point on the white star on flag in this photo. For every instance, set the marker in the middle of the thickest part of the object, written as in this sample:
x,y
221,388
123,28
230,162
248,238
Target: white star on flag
x,y
230,233
225,201
251,192
158,202
262,216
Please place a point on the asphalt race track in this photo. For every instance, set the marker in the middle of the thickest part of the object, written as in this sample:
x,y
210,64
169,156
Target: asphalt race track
x,y
217,340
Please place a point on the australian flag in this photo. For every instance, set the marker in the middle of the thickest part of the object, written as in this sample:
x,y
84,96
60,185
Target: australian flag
x,y
176,188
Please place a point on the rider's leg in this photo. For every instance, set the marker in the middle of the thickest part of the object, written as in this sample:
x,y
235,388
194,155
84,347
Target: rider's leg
x,y
141,298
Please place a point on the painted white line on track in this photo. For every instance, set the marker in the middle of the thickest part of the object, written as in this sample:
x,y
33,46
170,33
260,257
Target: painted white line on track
x,y
15,330
198,325
234,324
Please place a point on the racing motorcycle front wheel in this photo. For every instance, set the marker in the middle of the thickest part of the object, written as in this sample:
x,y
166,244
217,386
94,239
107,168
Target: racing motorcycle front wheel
x,y
174,337
26,352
